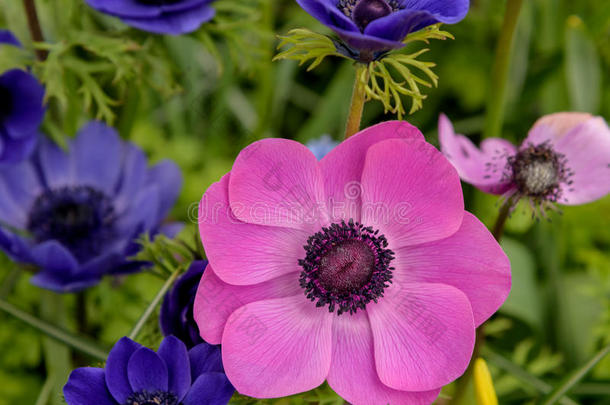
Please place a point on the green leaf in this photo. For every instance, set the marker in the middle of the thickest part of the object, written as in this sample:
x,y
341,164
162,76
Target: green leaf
x,y
584,75
575,377
523,301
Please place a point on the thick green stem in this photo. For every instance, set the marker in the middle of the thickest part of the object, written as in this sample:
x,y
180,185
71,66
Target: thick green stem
x,y
577,375
358,99
153,305
57,333
499,77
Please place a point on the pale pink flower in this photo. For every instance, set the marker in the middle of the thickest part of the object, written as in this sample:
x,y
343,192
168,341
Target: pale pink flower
x,y
565,159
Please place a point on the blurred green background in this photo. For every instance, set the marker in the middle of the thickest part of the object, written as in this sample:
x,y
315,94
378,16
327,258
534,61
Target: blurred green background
x,y
198,99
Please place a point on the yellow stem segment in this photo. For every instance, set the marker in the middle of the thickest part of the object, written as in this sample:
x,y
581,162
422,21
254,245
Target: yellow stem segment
x,y
358,99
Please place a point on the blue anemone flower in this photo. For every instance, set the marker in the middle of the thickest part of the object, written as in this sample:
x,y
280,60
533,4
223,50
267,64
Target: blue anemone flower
x,y
321,146
177,309
372,27
136,375
159,16
75,214
21,113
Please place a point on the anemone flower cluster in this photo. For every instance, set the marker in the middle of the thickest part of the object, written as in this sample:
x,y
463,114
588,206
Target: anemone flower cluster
x,y
21,112
362,269
173,17
177,310
565,159
136,375
74,215
372,27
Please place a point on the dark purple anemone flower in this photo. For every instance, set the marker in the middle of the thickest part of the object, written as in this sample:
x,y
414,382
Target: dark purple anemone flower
x,y
173,17
136,375
21,113
372,27
75,214
177,309
7,37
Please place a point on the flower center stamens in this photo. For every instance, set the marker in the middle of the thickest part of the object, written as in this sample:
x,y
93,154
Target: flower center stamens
x,y
538,172
346,266
362,12
81,218
152,398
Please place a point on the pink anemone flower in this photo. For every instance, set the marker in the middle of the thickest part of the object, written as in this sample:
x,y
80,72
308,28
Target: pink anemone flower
x,y
362,269
565,159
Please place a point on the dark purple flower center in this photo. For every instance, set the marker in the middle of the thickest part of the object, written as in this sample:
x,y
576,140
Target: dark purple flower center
x,y
346,266
152,398
6,102
538,172
81,218
362,12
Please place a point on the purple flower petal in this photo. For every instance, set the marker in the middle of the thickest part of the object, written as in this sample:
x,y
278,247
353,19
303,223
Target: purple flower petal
x,y
210,388
27,110
174,353
205,358
86,386
97,156
175,23
15,150
146,371
7,37
169,178
116,369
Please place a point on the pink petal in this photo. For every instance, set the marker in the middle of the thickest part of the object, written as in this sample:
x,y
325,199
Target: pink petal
x,y
278,182
245,253
484,168
423,335
470,260
410,192
586,147
216,300
555,126
283,348
352,371
342,167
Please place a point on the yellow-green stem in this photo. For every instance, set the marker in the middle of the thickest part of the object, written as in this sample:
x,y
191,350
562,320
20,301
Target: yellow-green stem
x,y
358,99
499,77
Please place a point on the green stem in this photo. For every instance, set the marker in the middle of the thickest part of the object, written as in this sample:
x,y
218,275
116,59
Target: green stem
x,y
76,342
575,377
153,304
521,374
45,392
358,99
56,355
499,77
498,229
